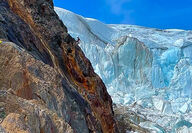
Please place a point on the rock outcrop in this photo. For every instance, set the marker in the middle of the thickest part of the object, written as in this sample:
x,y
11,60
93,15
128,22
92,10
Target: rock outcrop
x,y
47,84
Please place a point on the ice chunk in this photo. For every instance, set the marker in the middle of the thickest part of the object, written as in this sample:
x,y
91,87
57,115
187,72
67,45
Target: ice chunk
x,y
158,103
179,43
167,108
184,108
183,129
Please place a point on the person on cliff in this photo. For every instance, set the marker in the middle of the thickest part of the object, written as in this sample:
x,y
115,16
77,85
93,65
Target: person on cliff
x,y
78,40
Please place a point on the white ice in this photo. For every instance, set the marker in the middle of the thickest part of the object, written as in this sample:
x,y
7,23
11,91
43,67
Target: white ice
x,y
146,66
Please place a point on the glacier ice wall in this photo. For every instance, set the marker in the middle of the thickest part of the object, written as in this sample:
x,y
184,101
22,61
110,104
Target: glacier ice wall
x,y
147,67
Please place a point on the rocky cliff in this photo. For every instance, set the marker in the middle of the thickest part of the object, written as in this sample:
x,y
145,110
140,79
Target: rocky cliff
x,y
47,85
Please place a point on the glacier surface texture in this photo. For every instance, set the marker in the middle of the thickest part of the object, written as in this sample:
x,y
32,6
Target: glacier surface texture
x,y
148,70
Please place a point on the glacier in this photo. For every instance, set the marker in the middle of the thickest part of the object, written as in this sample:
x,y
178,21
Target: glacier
x,y
147,70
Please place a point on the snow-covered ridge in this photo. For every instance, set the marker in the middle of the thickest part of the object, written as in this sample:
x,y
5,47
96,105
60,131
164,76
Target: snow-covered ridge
x,y
147,67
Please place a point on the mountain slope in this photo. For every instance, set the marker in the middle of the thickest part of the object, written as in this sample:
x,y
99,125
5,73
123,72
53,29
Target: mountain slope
x,y
147,69
50,78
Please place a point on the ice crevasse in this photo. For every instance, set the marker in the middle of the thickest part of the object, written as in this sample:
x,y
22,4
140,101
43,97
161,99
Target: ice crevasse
x,y
145,68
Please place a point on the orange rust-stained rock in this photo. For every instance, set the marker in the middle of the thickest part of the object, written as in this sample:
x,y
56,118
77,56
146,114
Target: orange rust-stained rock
x,y
52,45
25,91
100,106
49,90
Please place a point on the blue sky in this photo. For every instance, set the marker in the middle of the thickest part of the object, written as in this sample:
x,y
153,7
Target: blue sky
x,y
161,14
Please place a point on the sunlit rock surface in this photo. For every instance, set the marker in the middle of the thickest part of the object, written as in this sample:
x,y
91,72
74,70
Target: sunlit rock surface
x,y
148,70
47,85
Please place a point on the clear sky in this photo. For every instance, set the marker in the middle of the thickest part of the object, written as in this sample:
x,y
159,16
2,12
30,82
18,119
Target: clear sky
x,y
163,14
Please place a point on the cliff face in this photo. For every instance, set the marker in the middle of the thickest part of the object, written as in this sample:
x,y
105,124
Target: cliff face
x,y
53,84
